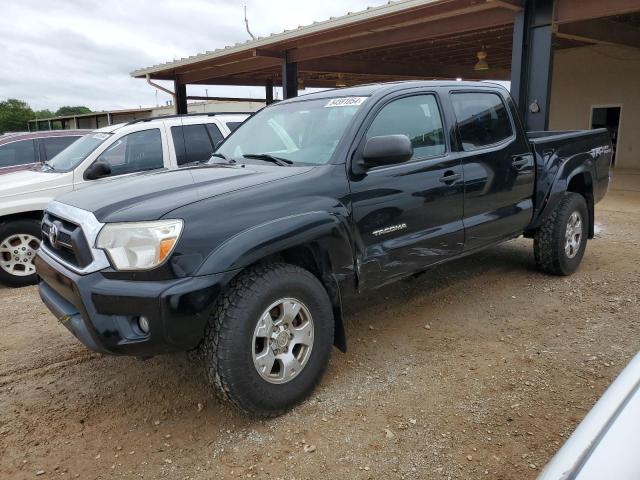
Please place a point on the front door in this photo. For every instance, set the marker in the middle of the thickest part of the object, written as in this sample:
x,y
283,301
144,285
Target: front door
x,y
498,167
408,216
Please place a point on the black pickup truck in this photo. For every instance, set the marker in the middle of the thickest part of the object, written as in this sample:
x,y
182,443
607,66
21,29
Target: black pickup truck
x,y
249,257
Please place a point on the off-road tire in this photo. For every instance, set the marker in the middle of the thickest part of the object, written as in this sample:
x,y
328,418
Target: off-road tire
x,y
227,345
549,239
7,229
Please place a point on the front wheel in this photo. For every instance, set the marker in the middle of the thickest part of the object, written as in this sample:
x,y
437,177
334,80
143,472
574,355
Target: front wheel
x,y
560,242
269,339
19,241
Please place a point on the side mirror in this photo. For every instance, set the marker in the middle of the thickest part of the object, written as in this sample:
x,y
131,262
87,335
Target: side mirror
x,y
97,170
386,150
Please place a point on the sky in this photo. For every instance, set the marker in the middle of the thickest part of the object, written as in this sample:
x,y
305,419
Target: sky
x,y
81,52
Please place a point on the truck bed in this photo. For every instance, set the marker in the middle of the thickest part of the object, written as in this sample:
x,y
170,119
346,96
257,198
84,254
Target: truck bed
x,y
584,152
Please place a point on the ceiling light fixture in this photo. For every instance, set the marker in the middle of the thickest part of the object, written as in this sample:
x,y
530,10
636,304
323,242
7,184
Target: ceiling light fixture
x,y
482,61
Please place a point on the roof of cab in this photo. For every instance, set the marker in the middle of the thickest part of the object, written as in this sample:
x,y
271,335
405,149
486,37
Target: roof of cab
x,y
223,116
387,87
11,137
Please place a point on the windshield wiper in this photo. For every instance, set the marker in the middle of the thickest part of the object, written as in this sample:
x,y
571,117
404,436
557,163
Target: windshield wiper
x,y
49,166
283,162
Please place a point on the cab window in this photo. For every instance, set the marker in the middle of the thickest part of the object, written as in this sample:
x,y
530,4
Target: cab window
x,y
482,119
417,117
195,143
135,152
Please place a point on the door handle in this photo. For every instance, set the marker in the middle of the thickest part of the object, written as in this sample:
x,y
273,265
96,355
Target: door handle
x,y
449,177
519,162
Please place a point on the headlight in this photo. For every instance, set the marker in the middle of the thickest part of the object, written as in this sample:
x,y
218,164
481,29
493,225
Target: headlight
x,y
139,246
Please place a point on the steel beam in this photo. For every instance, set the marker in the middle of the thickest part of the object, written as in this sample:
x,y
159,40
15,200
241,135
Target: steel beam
x,y
180,97
289,78
417,70
268,90
532,63
576,10
251,64
601,31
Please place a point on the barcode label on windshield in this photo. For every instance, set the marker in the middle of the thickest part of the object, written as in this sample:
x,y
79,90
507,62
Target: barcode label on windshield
x,y
346,102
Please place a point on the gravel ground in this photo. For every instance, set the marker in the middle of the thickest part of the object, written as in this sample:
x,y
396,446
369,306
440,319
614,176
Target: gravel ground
x,y
480,368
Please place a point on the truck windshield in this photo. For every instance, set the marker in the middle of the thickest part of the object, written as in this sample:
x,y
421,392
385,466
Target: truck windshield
x,y
303,132
74,154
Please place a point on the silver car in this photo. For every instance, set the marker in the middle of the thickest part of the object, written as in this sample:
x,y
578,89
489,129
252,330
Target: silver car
x,y
605,445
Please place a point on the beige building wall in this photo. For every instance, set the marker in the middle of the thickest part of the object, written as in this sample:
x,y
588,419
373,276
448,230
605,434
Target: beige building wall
x,y
210,106
599,76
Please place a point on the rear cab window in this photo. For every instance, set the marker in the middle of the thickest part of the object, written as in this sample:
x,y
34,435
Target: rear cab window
x,y
482,119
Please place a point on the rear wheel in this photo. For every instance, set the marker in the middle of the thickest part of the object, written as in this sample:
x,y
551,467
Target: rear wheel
x,y
269,339
559,244
19,241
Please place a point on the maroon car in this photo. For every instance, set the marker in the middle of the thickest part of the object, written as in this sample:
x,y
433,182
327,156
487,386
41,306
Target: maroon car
x,y
20,151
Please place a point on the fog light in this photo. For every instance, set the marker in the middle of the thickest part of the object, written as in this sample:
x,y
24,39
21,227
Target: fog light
x,y
143,324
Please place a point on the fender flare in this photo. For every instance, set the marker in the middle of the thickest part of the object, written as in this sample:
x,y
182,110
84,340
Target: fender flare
x,y
576,165
325,230
328,237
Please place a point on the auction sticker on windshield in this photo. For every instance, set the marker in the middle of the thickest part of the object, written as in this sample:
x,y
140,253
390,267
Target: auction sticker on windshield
x,y
345,102
100,136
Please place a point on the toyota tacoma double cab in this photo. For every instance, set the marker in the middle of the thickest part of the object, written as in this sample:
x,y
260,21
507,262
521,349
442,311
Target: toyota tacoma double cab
x,y
249,258
102,156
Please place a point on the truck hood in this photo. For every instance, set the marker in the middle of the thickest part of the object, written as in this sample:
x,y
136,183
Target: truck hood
x,y
30,181
151,196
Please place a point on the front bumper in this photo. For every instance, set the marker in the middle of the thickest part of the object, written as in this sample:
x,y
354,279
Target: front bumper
x,y
102,312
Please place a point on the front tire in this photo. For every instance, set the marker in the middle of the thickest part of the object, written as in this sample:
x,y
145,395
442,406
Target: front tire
x,y
269,338
19,241
559,244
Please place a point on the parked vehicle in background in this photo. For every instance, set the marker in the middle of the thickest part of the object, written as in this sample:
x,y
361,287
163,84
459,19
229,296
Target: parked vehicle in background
x,y
312,200
21,151
100,157
605,444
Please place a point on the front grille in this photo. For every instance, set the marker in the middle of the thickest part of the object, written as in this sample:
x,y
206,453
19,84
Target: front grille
x,y
70,243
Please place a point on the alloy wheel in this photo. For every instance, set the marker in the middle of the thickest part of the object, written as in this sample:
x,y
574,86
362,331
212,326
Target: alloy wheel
x,y
283,340
17,253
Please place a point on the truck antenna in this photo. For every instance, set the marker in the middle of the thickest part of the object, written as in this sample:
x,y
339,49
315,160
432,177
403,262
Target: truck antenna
x,y
246,24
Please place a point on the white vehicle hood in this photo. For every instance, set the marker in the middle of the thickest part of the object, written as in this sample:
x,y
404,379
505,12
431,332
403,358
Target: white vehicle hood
x,y
29,181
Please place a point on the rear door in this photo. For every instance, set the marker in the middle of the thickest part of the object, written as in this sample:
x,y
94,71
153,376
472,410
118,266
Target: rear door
x,y
195,142
409,215
498,167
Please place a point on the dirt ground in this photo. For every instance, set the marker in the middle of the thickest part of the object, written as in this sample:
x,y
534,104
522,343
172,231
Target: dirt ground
x,y
478,369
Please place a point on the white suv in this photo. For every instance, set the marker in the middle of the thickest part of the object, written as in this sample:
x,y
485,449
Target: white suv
x,y
104,155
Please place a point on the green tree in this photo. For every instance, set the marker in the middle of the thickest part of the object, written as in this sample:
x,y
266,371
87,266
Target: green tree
x,y
46,113
66,110
14,115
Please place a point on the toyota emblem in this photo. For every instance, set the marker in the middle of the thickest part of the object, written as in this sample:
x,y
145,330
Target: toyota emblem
x,y
53,235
